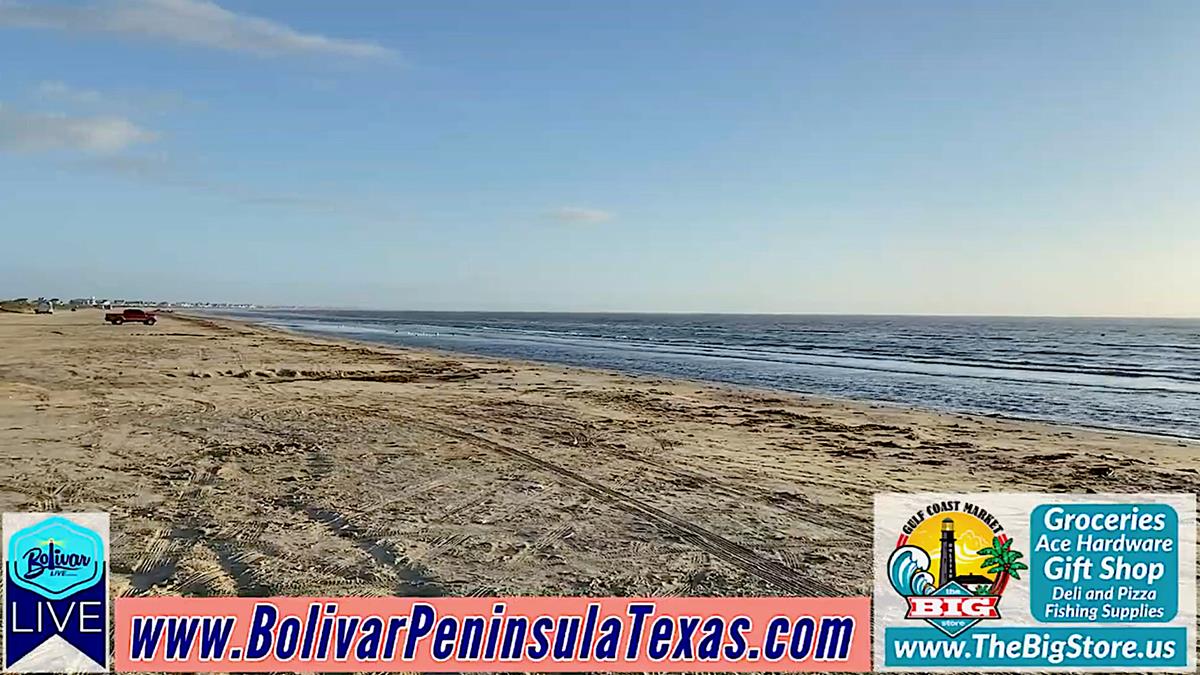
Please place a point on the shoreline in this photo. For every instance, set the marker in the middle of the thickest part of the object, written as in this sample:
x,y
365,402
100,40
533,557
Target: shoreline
x,y
238,459
803,396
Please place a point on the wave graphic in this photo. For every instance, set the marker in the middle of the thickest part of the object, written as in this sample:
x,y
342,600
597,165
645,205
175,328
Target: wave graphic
x,y
908,570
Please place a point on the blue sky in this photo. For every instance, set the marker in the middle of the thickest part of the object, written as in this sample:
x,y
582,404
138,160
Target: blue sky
x,y
860,157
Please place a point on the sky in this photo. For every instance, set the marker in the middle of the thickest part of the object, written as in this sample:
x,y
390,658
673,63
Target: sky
x,y
956,157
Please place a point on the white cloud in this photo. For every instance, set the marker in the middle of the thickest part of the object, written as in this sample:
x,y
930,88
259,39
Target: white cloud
x,y
196,22
576,214
36,132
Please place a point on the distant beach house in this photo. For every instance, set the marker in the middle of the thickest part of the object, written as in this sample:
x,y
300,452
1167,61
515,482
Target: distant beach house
x,y
973,581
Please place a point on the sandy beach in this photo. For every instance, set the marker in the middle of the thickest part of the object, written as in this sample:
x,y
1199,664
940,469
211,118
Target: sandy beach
x,y
239,460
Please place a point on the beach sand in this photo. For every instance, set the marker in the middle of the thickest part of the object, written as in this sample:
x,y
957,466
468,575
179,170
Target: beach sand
x,y
239,460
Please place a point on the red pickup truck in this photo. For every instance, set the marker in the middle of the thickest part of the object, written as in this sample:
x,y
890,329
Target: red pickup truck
x,y
130,315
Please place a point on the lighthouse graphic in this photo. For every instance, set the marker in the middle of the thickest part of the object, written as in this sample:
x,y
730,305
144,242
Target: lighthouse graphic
x,y
949,592
947,569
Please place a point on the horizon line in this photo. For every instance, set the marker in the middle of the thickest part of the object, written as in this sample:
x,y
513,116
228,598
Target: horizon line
x,y
257,306
251,306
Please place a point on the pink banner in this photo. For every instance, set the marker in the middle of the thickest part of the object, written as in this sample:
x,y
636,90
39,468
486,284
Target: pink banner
x,y
492,634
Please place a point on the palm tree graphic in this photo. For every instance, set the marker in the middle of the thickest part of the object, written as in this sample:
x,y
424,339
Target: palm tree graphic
x,y
1002,561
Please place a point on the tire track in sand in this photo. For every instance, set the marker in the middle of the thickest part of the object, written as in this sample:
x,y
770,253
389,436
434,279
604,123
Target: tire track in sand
x,y
771,571
412,580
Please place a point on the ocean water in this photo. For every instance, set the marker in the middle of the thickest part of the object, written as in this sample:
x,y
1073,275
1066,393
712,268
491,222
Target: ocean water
x,y
1132,374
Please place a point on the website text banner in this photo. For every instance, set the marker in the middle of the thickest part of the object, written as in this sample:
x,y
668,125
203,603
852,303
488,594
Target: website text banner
x,y
523,634
1009,581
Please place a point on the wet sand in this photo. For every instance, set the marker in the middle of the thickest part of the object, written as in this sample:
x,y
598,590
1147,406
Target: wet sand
x,y
239,460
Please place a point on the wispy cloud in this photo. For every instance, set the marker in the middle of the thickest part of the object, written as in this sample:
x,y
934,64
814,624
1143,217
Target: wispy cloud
x,y
124,102
160,170
113,145
196,22
38,132
60,91
577,214
146,167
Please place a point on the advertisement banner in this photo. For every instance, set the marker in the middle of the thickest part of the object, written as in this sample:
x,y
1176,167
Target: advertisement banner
x,y
518,634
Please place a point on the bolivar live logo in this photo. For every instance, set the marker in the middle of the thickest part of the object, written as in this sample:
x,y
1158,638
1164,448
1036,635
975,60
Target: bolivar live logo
x,y
952,564
56,592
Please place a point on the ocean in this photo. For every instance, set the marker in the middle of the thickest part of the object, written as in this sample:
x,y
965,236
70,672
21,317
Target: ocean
x,y
1131,374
